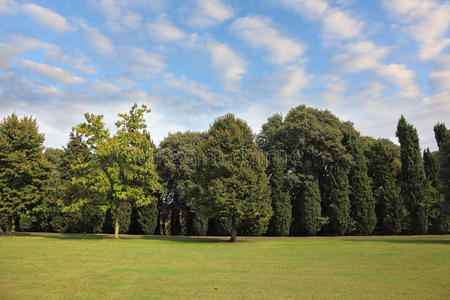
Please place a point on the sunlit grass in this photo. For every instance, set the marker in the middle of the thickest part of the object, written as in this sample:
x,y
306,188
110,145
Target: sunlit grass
x,y
50,267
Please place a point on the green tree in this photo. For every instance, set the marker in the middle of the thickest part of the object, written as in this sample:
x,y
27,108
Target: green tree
x,y
306,201
383,172
144,219
412,178
176,163
23,170
280,222
49,214
442,135
86,217
361,198
119,169
232,175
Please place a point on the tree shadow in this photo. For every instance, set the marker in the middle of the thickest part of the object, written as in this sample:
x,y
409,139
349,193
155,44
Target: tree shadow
x,y
431,241
87,236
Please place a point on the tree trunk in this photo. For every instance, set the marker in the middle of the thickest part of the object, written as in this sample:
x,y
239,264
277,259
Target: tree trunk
x,y
9,225
116,225
233,229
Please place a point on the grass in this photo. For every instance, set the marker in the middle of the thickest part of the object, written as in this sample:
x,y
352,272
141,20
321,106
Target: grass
x,y
79,268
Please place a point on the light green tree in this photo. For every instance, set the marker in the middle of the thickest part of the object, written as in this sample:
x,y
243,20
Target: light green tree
x,y
119,169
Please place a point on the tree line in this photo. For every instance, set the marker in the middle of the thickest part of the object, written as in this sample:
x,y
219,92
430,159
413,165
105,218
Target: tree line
x,y
308,173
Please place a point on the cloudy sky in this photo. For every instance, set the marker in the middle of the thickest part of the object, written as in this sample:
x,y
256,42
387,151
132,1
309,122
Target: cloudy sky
x,y
192,61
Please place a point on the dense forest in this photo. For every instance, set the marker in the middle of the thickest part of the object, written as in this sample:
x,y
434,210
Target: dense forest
x,y
307,173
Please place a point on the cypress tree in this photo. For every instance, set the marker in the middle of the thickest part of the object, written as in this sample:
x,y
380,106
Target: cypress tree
x,y
389,207
281,204
442,135
412,178
336,198
362,202
310,209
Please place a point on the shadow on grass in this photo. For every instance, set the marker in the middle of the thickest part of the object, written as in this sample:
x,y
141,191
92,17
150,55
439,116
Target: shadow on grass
x,y
81,236
404,241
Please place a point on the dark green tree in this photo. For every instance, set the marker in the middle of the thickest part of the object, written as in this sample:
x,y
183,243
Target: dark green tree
x,y
52,204
280,222
362,202
23,170
442,135
232,176
176,163
306,201
144,219
383,172
431,166
77,213
412,178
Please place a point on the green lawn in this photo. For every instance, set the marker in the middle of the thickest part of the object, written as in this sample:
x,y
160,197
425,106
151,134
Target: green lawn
x,y
70,267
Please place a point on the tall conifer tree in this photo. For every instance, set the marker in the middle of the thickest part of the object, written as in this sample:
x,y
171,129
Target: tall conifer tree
x,y
412,178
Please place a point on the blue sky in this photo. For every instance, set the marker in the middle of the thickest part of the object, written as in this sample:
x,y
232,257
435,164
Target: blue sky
x,y
191,61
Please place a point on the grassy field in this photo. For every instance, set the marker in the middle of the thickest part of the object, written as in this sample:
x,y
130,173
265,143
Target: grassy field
x,y
71,267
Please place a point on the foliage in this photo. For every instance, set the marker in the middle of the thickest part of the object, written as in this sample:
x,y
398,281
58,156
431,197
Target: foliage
x,y
389,205
176,163
119,169
361,197
281,220
412,178
231,174
442,135
23,170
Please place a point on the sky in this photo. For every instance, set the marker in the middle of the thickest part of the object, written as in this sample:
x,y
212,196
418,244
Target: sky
x,y
192,61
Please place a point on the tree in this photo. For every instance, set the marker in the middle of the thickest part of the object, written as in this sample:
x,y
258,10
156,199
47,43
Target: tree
x,y
361,198
232,175
306,201
176,164
79,214
23,171
49,212
280,222
144,219
442,135
119,169
412,177
383,172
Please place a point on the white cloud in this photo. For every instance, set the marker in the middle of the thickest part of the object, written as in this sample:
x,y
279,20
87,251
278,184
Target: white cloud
x,y
209,12
124,15
259,32
145,63
340,24
53,53
48,18
7,54
426,21
337,23
166,31
8,6
360,56
293,79
98,41
50,72
402,77
191,87
440,79
227,64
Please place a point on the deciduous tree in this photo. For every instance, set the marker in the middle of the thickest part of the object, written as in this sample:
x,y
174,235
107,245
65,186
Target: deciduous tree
x,y
120,168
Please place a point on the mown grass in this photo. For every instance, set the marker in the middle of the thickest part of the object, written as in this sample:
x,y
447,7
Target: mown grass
x,y
50,267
